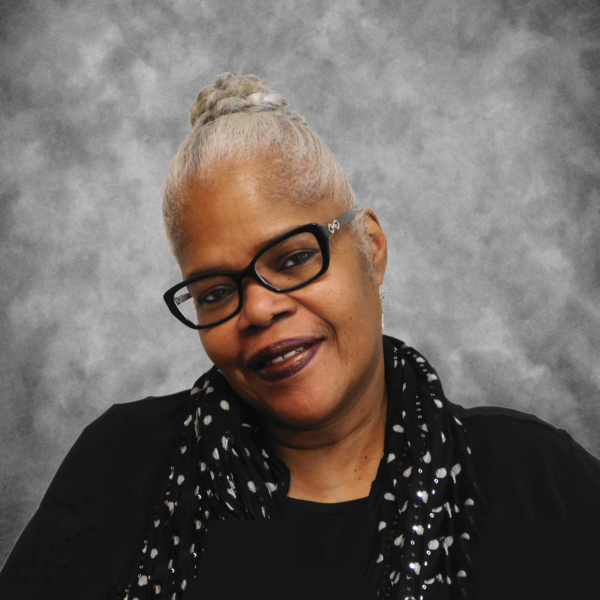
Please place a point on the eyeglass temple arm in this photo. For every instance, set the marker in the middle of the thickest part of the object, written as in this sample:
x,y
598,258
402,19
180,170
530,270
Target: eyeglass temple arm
x,y
334,225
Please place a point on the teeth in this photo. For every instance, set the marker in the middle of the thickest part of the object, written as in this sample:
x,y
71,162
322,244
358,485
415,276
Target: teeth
x,y
283,357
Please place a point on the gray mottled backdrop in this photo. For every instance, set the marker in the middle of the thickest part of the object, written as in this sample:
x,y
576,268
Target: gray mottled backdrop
x,y
472,127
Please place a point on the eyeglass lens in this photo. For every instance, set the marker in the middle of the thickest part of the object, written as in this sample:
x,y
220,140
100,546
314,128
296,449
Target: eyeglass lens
x,y
292,262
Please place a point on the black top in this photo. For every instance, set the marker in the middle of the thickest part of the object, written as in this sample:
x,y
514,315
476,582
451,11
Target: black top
x,y
86,535
317,551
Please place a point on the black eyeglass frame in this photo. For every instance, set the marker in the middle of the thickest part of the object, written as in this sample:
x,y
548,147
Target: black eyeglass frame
x,y
321,232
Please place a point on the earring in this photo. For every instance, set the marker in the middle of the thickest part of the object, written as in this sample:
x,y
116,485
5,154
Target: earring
x,y
382,295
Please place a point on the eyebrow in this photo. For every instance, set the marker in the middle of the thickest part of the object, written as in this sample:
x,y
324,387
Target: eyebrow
x,y
256,249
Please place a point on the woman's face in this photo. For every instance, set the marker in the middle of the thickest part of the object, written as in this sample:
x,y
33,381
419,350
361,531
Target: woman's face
x,y
337,318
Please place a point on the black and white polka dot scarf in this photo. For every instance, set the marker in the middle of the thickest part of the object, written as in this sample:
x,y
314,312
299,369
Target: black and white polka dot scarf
x,y
424,498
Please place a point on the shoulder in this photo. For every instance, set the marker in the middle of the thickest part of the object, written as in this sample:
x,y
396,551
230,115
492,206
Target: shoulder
x,y
136,439
514,444
119,439
503,425
141,413
528,468
127,424
122,430
97,503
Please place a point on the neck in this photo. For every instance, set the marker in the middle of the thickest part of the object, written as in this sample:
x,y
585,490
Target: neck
x,y
339,461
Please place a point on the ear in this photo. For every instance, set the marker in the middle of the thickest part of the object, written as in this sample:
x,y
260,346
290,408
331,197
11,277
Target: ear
x,y
378,244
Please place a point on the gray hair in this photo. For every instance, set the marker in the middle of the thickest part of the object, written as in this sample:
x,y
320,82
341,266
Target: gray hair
x,y
241,118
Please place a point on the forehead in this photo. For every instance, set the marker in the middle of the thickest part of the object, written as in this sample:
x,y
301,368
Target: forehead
x,y
244,204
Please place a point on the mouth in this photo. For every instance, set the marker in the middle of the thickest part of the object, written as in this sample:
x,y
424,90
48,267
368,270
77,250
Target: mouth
x,y
284,359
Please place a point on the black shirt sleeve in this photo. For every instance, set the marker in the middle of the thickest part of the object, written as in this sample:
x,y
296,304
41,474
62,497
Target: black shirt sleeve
x,y
54,555
542,489
527,469
87,533
583,487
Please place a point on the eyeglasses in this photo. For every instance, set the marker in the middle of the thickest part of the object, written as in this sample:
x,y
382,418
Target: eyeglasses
x,y
288,263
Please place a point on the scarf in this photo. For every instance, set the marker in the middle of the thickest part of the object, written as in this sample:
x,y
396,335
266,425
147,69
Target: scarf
x,y
424,497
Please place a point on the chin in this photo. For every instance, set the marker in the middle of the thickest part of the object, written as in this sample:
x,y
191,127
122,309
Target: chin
x,y
297,417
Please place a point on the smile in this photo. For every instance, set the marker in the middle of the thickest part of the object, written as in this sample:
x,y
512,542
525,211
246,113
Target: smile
x,y
284,359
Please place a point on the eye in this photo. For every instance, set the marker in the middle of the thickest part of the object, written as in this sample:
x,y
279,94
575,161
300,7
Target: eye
x,y
298,259
215,295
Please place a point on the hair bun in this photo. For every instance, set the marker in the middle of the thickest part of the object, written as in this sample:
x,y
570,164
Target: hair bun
x,y
245,93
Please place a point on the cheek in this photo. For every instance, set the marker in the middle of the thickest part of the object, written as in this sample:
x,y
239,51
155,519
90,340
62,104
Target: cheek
x,y
342,304
221,345
349,291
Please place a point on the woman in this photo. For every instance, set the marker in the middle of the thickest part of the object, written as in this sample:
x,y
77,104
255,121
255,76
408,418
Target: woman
x,y
313,459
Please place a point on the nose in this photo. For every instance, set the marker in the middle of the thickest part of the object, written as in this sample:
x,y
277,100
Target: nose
x,y
262,306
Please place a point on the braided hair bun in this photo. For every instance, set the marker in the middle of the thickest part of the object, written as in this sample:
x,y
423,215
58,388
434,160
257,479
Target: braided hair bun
x,y
232,94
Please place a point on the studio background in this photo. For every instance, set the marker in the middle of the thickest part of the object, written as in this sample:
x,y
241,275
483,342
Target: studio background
x,y
472,127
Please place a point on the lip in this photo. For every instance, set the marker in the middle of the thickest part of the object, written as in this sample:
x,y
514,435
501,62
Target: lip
x,y
287,367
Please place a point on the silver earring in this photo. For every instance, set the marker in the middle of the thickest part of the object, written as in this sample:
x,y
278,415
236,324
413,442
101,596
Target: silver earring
x,y
382,295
